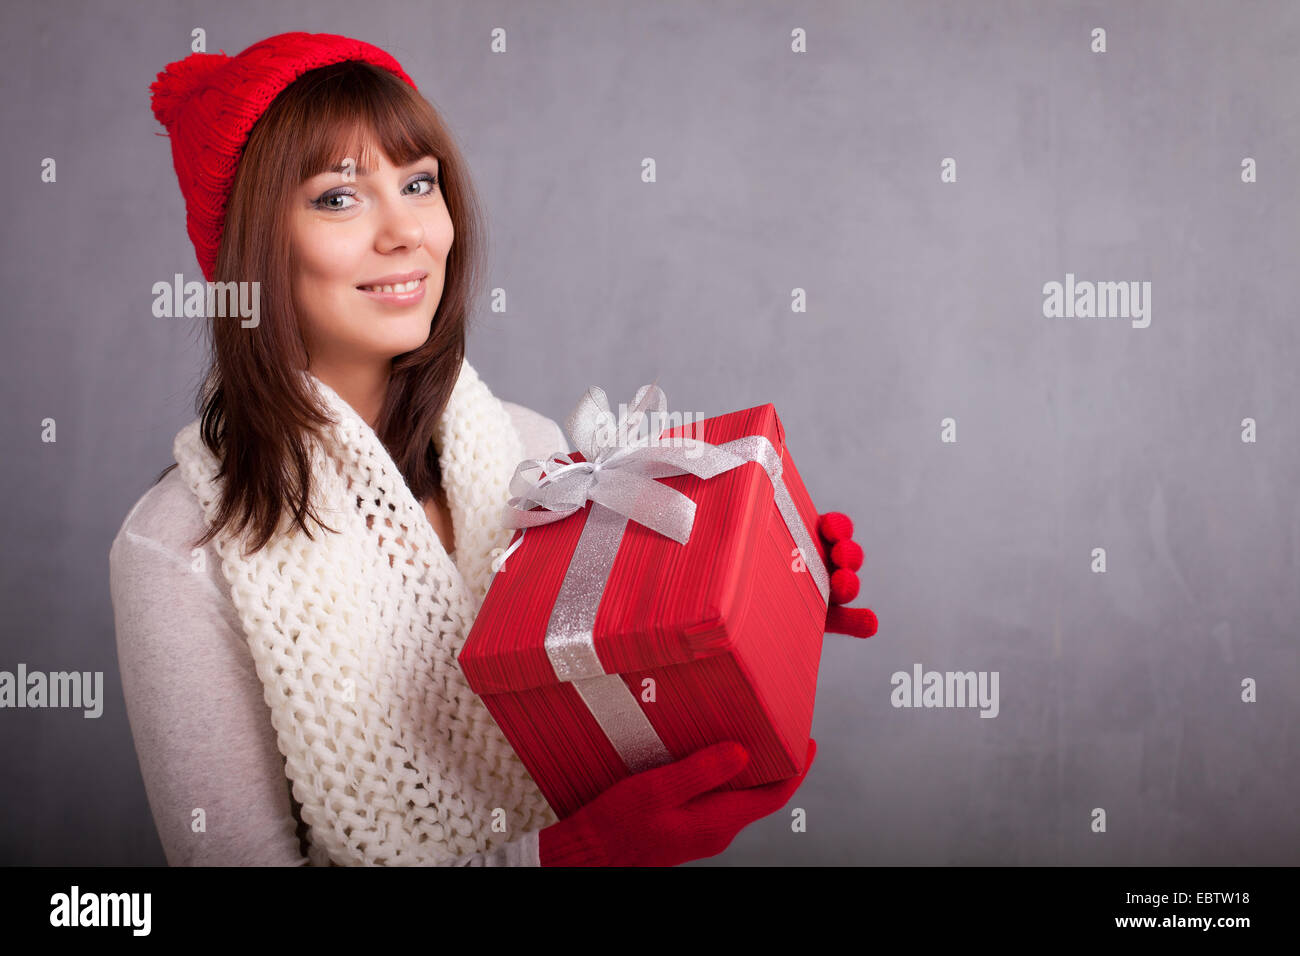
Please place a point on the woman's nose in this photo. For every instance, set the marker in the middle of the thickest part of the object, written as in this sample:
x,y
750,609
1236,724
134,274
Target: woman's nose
x,y
399,226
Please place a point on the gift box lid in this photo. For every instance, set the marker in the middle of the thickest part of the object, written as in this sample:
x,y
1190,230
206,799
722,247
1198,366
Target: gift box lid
x,y
663,603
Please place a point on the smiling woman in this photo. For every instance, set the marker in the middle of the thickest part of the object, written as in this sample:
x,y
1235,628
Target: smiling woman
x,y
311,166
350,179
369,268
348,409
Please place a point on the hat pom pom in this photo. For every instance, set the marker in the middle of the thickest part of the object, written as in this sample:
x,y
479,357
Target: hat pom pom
x,y
180,81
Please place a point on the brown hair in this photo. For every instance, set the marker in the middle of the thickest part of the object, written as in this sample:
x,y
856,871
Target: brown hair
x,y
257,413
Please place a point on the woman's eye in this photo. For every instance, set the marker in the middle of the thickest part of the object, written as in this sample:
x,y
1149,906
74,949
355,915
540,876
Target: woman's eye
x,y
326,201
426,178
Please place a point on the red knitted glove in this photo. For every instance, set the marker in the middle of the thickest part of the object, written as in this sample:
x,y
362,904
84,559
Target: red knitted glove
x,y
666,816
836,531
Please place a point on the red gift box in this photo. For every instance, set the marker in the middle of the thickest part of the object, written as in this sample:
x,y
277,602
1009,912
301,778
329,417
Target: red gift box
x,y
715,639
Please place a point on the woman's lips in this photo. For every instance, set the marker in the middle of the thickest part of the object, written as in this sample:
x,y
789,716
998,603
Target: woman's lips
x,y
397,298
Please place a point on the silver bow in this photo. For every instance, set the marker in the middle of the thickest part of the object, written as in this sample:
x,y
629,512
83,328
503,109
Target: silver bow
x,y
618,472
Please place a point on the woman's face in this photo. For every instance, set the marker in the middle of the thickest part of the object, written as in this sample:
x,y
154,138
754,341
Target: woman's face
x,y
353,231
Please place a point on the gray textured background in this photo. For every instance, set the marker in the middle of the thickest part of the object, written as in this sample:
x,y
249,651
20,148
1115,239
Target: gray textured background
x,y
775,171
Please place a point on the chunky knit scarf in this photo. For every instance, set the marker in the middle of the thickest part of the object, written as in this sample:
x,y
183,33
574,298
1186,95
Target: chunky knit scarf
x,y
393,758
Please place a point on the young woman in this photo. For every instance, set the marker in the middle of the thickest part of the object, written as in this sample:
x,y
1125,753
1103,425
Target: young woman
x,y
290,596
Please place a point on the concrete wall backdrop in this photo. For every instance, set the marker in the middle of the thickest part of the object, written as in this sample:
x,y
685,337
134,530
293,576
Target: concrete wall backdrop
x,y
776,171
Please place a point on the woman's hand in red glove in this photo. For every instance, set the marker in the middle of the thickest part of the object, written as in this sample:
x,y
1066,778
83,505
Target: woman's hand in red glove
x,y
836,530
667,816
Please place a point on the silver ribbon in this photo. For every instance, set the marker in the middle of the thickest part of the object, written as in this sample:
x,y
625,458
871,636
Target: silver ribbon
x,y
619,480
618,472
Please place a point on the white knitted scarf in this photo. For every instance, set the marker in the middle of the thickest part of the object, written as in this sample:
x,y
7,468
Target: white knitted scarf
x,y
393,758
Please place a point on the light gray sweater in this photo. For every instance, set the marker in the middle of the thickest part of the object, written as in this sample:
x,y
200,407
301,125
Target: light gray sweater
x,y
201,725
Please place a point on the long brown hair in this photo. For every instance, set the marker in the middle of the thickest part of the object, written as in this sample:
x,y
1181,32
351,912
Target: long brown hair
x,y
257,415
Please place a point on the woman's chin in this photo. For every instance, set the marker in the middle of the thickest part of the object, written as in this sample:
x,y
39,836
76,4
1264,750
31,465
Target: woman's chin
x,y
399,334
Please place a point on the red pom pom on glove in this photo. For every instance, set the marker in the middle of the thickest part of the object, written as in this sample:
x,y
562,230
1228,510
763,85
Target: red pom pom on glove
x,y
667,816
836,530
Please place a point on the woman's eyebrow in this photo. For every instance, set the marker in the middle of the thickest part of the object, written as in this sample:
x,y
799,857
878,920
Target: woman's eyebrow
x,y
343,168
366,170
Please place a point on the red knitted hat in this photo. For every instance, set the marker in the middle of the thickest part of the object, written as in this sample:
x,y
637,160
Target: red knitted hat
x,y
209,102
